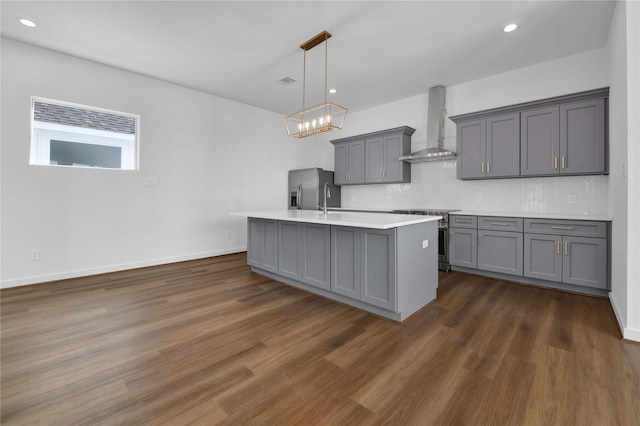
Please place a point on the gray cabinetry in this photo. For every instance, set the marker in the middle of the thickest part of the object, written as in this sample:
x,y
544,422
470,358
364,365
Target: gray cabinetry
x,y
489,148
382,159
373,157
566,139
349,162
262,247
315,255
363,265
463,250
345,261
378,267
500,244
289,249
565,135
558,251
304,253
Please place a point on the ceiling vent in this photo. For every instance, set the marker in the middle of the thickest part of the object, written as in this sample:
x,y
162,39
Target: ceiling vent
x,y
285,81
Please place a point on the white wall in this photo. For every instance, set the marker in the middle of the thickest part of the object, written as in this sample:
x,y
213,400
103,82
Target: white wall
x,y
211,156
434,185
624,44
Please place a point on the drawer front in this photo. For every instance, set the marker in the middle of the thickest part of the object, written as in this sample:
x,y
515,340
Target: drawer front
x,y
513,224
581,228
462,221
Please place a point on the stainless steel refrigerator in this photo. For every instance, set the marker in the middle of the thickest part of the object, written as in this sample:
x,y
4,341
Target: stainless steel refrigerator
x,y
306,186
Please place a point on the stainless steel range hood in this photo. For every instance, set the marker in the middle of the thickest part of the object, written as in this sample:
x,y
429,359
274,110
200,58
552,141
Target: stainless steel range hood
x,y
435,131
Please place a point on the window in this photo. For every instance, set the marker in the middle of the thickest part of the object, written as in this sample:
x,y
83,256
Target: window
x,y
66,134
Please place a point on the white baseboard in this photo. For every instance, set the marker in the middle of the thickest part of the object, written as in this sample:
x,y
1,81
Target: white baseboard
x,y
627,333
114,268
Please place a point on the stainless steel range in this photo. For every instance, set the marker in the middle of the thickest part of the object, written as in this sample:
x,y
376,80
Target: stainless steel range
x,y
443,233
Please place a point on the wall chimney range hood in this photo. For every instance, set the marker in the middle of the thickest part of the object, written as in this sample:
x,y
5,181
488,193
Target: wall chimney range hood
x,y
435,131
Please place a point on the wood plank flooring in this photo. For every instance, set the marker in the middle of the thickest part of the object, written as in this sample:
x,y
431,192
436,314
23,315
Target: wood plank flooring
x,y
209,342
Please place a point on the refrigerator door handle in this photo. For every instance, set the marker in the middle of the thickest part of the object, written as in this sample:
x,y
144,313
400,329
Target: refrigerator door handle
x,y
299,196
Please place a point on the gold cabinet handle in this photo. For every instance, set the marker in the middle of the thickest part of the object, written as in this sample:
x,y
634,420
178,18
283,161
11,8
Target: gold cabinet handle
x,y
482,167
500,223
383,174
563,162
566,248
557,247
568,228
488,167
555,162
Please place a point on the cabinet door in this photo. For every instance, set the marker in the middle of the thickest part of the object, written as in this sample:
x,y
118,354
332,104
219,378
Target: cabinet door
x,y
543,257
270,246
463,248
356,162
503,146
582,137
254,241
500,251
539,141
471,146
585,261
316,259
395,170
374,151
341,154
345,261
289,253
378,267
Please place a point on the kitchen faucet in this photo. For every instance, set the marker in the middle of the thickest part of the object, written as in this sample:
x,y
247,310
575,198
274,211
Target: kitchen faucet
x,y
326,191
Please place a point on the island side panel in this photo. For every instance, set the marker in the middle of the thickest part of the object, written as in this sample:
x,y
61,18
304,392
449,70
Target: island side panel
x,y
417,266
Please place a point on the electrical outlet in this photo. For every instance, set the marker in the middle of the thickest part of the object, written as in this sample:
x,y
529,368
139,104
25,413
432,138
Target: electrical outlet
x,y
571,199
151,181
425,243
35,254
228,235
478,198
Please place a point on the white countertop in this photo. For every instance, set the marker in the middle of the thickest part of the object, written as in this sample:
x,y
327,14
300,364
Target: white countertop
x,y
356,219
567,216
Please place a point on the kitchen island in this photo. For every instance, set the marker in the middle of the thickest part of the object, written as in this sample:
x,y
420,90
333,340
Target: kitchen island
x,y
385,264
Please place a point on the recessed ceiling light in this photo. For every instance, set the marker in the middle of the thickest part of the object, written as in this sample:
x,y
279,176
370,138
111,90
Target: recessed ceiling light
x,y
26,22
332,91
509,28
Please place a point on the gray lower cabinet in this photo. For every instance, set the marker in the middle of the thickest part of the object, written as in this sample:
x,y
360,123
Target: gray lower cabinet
x,y
363,265
262,247
378,267
304,253
315,255
500,251
345,261
571,260
463,247
289,250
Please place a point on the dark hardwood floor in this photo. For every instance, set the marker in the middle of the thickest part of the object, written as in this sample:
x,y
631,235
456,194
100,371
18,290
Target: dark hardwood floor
x,y
209,342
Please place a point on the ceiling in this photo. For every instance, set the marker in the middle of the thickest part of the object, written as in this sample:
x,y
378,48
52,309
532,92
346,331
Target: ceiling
x,y
380,51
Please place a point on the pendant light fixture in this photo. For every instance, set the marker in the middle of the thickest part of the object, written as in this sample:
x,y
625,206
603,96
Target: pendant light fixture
x,y
321,118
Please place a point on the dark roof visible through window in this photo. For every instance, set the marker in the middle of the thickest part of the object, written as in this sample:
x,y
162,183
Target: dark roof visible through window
x,y
60,114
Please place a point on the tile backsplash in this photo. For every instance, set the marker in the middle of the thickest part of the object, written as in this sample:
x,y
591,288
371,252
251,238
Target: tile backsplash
x,y
434,185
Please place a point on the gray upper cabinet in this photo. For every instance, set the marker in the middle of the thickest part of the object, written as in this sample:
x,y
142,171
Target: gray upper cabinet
x,y
565,135
489,148
471,146
540,141
349,163
373,157
262,248
582,137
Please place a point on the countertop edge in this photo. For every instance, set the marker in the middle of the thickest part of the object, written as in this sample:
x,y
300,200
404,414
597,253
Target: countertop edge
x,y
535,215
